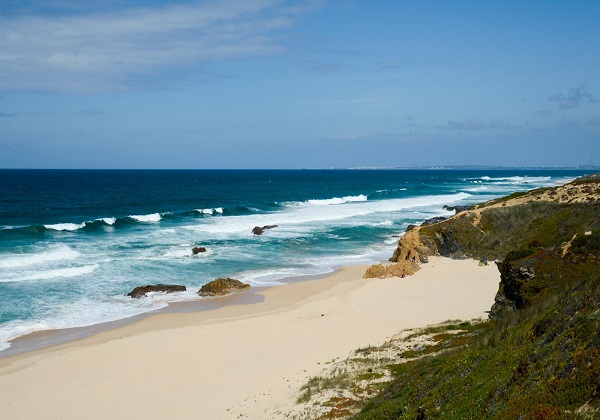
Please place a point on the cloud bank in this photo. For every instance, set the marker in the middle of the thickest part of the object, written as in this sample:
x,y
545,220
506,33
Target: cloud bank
x,y
94,52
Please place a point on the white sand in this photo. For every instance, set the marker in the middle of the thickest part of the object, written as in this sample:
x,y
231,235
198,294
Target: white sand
x,y
239,360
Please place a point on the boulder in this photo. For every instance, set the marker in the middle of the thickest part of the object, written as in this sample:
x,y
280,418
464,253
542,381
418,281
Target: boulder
x,y
141,291
390,270
221,286
260,230
198,249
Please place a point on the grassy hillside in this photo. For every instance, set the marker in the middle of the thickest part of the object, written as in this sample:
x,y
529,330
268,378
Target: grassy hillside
x,y
535,225
539,357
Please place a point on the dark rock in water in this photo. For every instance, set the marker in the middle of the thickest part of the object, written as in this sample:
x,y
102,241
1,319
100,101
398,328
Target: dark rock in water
x,y
198,249
457,209
260,230
221,286
141,291
433,220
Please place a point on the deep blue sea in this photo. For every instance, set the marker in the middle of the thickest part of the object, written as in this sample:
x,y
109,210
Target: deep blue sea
x,y
73,243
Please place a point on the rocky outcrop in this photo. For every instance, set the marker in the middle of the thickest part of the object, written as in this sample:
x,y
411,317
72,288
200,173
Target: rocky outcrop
x,y
407,257
260,230
456,209
380,271
410,248
198,249
142,291
514,279
448,245
501,304
433,220
517,282
221,286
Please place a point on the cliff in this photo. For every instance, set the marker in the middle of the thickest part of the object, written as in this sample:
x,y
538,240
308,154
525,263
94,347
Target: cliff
x,y
539,355
541,218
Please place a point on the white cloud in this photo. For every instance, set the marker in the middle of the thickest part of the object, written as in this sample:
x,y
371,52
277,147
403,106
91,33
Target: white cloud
x,y
94,53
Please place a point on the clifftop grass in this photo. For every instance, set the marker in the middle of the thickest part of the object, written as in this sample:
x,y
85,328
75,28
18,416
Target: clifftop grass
x,y
534,225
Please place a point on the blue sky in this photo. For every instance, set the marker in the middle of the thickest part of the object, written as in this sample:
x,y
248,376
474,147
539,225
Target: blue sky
x,y
281,84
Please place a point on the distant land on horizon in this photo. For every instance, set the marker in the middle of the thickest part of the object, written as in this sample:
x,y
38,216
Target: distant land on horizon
x,y
357,168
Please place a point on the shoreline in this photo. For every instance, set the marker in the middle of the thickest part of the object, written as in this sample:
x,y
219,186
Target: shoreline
x,y
39,340
237,360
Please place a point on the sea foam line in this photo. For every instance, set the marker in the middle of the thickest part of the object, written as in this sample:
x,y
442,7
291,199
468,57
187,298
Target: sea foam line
x,y
329,201
52,274
310,214
24,260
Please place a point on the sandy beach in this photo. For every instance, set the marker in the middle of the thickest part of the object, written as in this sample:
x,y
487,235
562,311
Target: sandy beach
x,y
236,361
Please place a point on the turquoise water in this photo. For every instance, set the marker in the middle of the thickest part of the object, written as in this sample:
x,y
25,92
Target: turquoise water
x,y
73,243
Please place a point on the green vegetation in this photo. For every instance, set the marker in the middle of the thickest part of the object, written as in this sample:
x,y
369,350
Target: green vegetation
x,y
539,358
504,229
589,179
338,380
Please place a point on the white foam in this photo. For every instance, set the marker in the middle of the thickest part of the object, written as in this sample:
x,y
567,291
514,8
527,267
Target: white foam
x,y
311,215
154,217
271,277
328,201
337,200
23,260
52,274
384,223
81,313
210,212
109,220
65,226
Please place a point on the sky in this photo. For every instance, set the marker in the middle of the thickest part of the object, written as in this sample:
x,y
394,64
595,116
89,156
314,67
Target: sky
x,y
298,84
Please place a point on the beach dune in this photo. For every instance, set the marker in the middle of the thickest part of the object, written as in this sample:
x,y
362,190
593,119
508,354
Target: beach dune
x,y
239,360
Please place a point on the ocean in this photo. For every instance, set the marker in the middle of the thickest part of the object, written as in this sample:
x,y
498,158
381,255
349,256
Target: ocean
x,y
73,243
